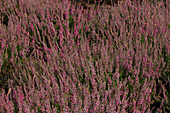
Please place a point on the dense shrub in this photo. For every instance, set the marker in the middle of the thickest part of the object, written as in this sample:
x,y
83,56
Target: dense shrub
x,y
57,57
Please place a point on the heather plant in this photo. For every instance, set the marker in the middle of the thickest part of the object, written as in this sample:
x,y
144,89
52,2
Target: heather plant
x,y
58,57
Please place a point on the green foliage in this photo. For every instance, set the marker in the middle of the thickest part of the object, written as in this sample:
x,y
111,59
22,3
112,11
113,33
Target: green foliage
x,y
151,40
90,87
143,39
82,78
6,68
39,111
58,78
16,109
71,22
141,78
59,108
165,54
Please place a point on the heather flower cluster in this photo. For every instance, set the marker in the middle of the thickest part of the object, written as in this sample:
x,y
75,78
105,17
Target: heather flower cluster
x,y
57,57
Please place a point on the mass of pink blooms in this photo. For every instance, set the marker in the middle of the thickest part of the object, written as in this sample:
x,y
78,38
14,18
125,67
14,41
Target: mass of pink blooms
x,y
57,57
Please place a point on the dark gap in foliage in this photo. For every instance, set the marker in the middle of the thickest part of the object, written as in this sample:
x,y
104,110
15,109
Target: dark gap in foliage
x,y
57,78
116,28
134,25
29,30
83,100
38,42
64,16
39,17
35,84
69,103
17,5
44,57
165,53
111,73
165,76
58,108
76,39
39,110
141,78
82,78
133,61
130,88
121,15
150,39
4,18
159,89
47,42
19,51
123,73
54,22
6,74
91,105
143,39
157,103
16,109
71,22
155,106
90,86
39,30
30,51
106,84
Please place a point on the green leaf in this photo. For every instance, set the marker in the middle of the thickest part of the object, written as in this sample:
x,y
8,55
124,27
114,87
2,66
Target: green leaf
x,y
71,22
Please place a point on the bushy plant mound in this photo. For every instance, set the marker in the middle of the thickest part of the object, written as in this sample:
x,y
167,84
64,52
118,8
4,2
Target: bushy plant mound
x,y
57,57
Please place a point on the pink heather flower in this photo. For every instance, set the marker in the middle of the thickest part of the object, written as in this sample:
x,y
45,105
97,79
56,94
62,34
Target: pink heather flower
x,y
61,34
155,32
78,43
86,28
129,67
21,97
109,81
164,29
134,105
3,43
38,102
75,31
124,10
11,59
73,100
10,107
136,79
148,75
149,99
66,88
